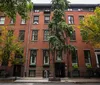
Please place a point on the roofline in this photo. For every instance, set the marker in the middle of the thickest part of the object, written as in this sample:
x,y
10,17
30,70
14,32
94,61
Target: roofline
x,y
70,5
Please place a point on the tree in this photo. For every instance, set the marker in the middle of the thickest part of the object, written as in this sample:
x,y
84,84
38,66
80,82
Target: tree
x,y
12,7
59,30
90,28
9,48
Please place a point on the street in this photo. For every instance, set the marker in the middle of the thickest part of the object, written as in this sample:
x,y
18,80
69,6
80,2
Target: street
x,y
49,84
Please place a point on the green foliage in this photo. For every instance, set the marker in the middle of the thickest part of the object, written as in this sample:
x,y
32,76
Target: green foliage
x,y
75,66
9,46
90,28
88,66
58,28
12,7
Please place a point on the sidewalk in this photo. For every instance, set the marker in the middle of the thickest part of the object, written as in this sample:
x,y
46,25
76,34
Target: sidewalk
x,y
45,80
63,80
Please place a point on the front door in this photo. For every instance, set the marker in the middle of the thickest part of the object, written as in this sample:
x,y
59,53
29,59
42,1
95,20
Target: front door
x,y
17,70
60,69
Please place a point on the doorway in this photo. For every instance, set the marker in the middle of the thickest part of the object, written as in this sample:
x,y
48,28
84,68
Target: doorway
x,y
60,69
17,70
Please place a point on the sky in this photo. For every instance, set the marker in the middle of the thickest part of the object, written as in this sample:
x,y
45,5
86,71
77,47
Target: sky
x,y
72,1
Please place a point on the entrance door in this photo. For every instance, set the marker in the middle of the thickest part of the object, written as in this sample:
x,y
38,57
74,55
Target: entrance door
x,y
60,69
17,70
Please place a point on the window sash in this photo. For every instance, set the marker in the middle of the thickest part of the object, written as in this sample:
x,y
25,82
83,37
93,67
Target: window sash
x,y
23,21
46,35
59,55
73,36
46,19
2,20
33,54
21,35
36,19
87,56
46,56
70,20
75,58
12,21
81,18
35,35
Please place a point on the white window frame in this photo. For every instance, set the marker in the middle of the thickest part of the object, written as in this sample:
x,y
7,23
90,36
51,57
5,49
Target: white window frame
x,y
96,53
2,20
23,21
69,19
44,61
46,35
33,35
89,59
33,63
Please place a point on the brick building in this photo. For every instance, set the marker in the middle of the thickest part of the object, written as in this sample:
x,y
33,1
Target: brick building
x,y
34,35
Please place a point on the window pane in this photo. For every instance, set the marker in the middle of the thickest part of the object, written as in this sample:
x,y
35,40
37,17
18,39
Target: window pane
x,y
35,35
2,20
12,21
59,55
23,21
36,20
70,20
81,18
21,35
33,54
73,36
87,56
46,19
46,56
46,35
74,57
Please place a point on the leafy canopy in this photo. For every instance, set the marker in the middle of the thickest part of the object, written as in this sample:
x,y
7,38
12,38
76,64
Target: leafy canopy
x,y
9,46
58,28
11,7
90,28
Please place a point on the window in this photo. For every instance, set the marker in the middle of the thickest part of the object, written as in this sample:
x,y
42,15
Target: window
x,y
23,21
58,55
70,9
70,20
74,57
21,35
36,10
32,73
35,35
81,18
12,21
46,57
46,19
87,56
10,32
36,20
73,36
2,20
33,54
46,35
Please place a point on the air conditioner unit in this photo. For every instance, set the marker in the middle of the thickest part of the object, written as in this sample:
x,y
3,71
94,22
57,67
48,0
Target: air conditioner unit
x,y
36,23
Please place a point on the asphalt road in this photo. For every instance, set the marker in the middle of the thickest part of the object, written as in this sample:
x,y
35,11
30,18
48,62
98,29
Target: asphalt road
x,y
49,84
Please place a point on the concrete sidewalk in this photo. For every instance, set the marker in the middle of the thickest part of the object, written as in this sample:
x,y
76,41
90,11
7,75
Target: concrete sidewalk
x,y
63,80
45,80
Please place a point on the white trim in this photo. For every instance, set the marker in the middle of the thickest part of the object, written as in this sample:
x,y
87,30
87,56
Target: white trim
x,y
96,53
